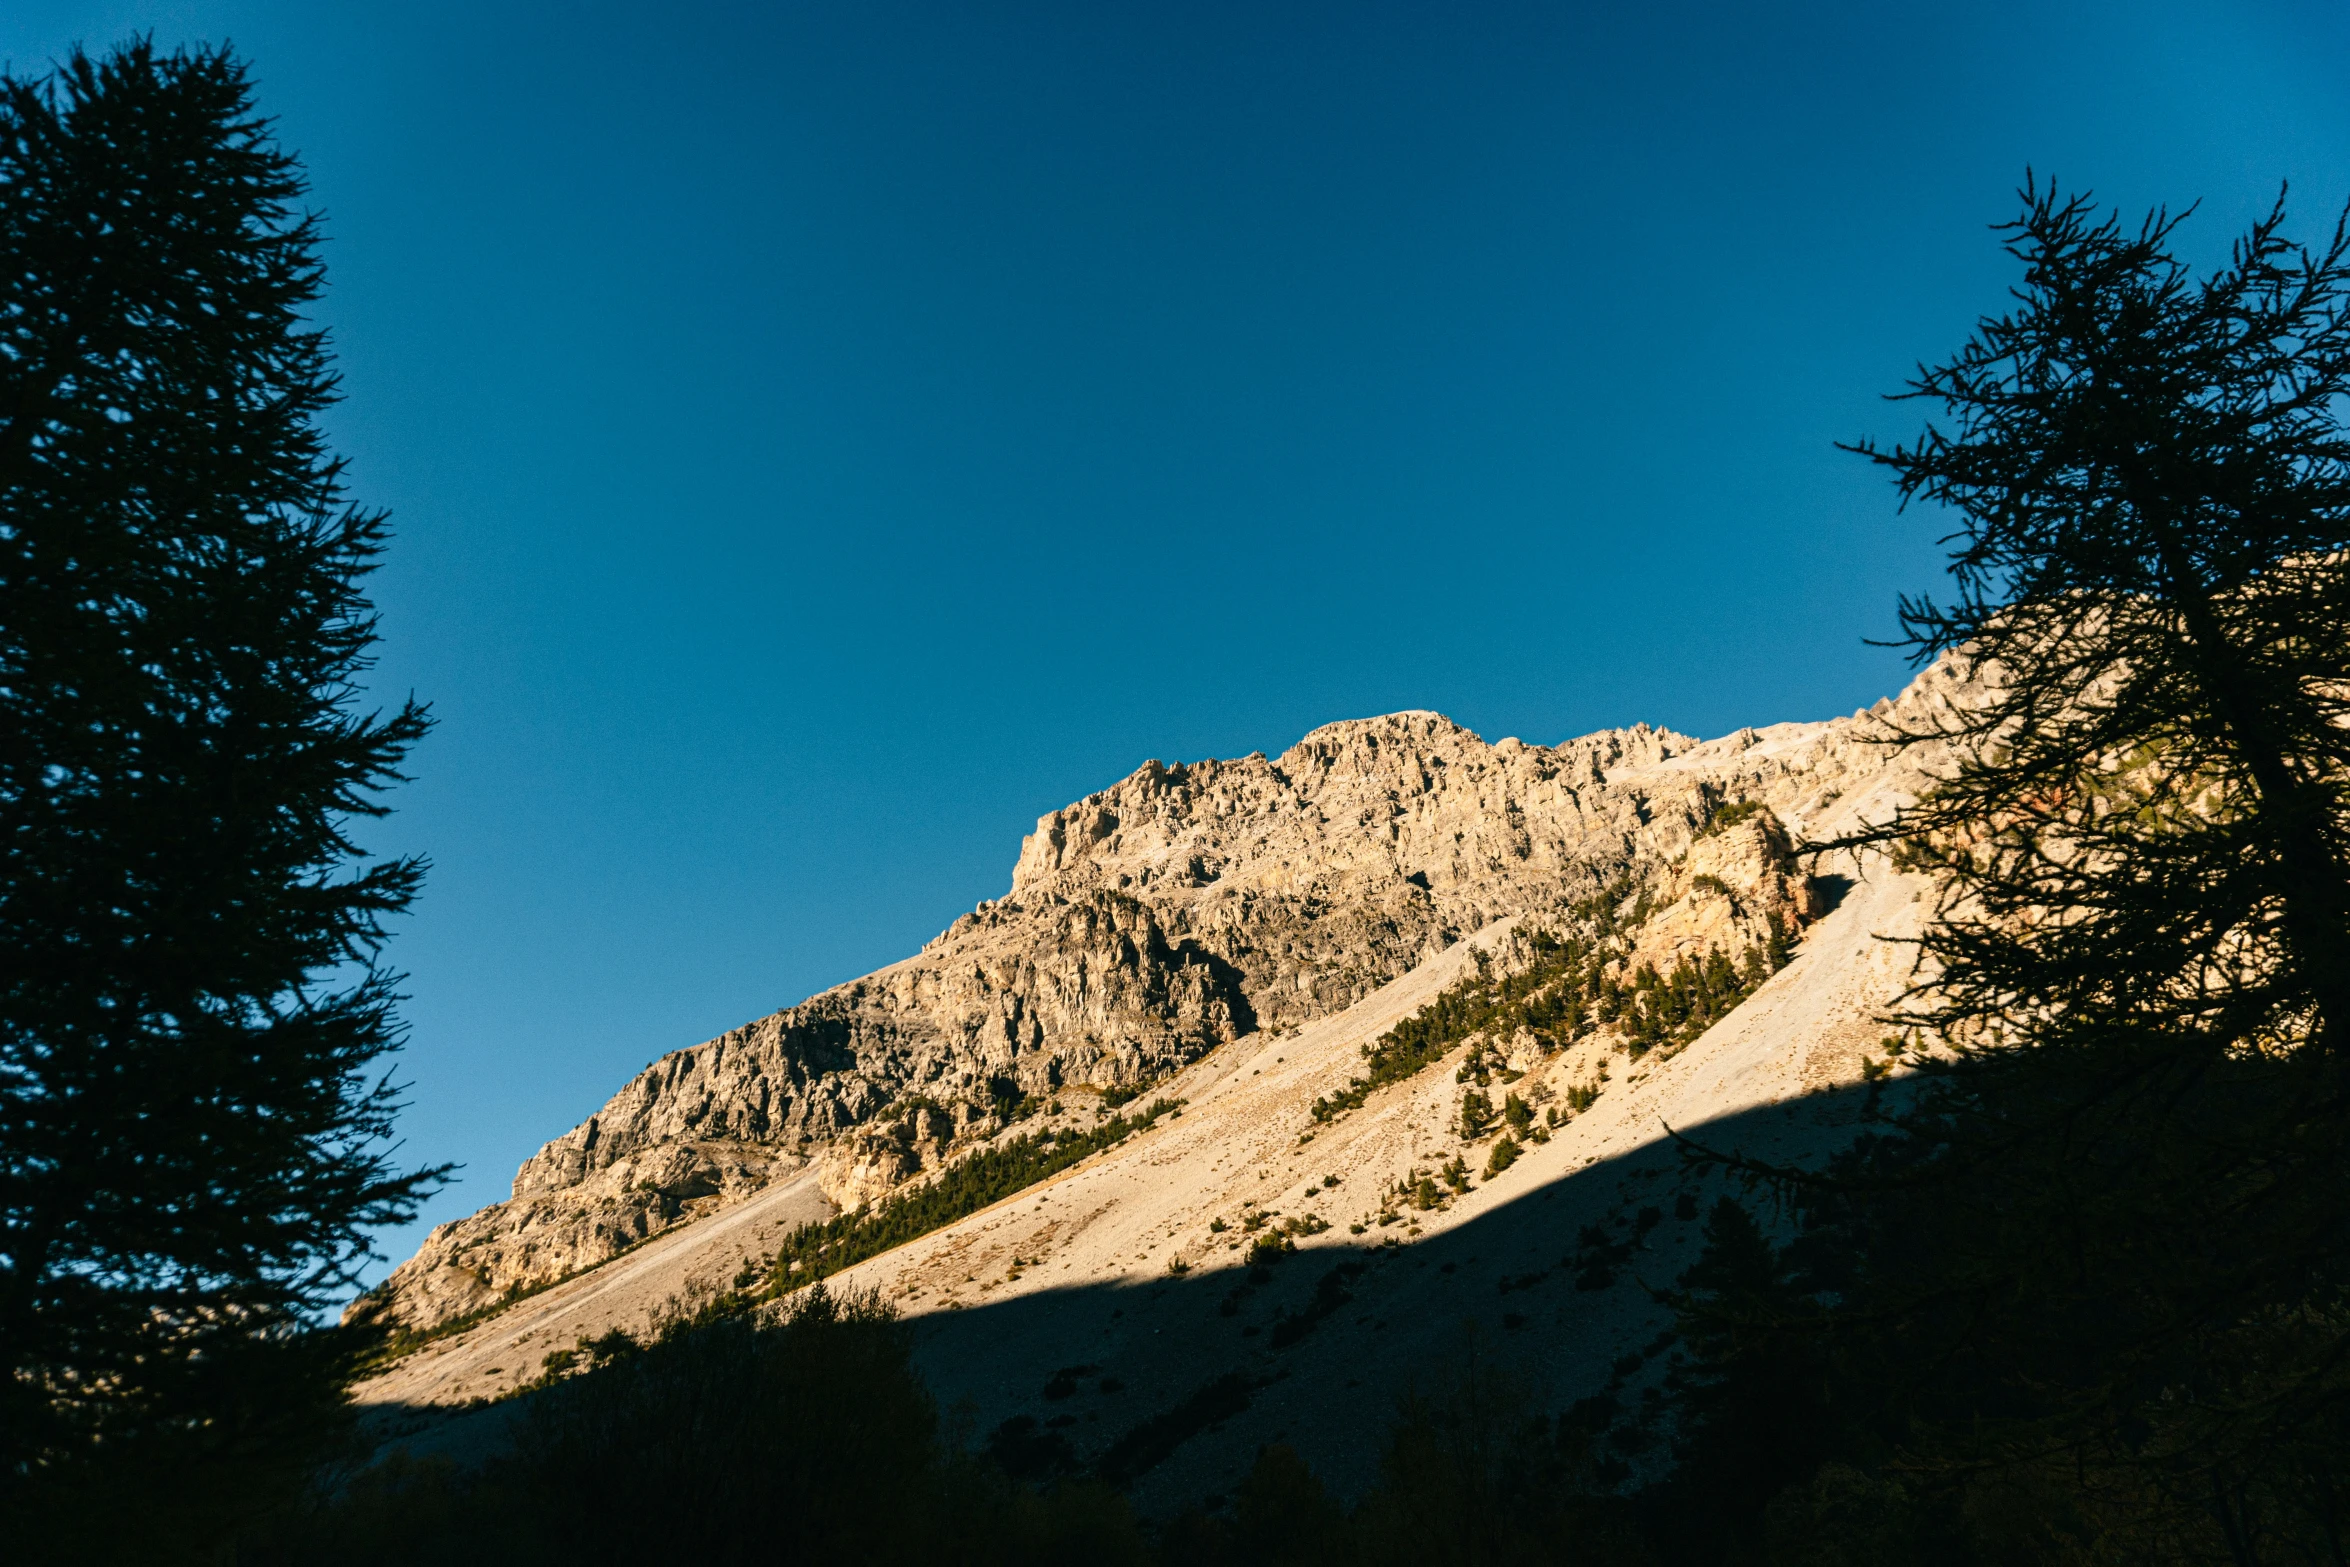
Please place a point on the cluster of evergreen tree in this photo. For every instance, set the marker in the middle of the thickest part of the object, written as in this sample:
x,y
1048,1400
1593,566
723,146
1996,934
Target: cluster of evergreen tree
x,y
971,1183
1547,988
1669,1010
732,1437
1728,814
1559,987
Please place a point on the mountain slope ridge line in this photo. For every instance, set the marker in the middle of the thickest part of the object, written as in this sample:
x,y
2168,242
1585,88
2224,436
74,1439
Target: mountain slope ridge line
x,y
1643,820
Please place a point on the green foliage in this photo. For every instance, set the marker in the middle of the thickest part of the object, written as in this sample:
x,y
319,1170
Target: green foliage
x,y
193,1018
975,1181
1670,1010
1558,988
1476,1114
905,1105
397,1341
1725,817
1518,1114
1505,1154
1008,1102
588,1355
1548,993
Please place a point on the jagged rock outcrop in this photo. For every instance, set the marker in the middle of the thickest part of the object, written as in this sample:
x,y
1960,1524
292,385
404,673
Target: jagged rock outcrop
x,y
1725,893
1180,908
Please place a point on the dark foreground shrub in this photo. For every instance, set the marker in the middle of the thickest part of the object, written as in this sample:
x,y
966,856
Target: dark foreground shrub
x,y
731,1439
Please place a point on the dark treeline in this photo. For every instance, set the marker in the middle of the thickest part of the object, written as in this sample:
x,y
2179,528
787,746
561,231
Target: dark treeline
x,y
728,1438
736,1438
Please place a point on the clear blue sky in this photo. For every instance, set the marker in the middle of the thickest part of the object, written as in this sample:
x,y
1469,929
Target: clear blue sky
x,y
824,437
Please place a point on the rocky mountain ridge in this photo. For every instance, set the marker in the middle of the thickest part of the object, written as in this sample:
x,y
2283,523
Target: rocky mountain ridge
x,y
1183,908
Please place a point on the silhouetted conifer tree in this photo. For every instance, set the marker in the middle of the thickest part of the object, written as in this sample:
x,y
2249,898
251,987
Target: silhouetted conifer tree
x,y
2149,820
191,1015
2090,1288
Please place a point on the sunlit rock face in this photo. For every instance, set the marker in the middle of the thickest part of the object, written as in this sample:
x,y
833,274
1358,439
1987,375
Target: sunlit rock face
x,y
1175,911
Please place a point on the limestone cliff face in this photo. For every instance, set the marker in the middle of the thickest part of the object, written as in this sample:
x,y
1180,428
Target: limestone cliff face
x,y
1092,990
1179,909
1325,872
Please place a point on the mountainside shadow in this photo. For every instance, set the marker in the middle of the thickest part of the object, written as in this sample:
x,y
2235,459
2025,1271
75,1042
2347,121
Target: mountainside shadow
x,y
1169,1386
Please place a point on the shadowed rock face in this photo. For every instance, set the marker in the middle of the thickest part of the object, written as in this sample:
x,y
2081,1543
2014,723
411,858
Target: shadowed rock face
x,y
1179,909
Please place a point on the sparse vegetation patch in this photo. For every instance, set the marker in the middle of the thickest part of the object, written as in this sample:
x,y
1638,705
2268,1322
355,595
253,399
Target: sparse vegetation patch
x,y
1558,988
988,1176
